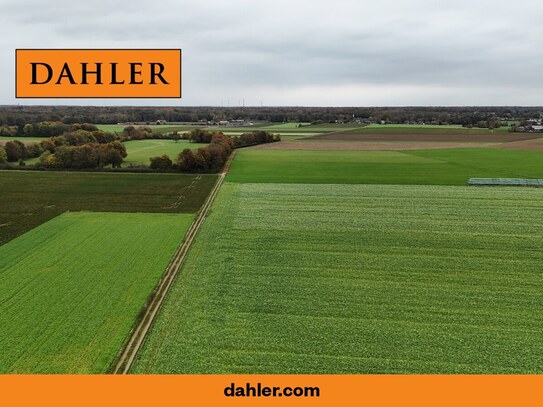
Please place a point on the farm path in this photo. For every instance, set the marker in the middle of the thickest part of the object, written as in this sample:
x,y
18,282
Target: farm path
x,y
151,308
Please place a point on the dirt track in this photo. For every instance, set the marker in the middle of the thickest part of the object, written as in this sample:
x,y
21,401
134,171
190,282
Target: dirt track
x,y
130,350
536,145
366,145
492,138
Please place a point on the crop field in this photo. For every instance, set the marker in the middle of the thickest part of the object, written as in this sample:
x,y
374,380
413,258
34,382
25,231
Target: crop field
x,y
297,137
287,131
429,167
286,126
489,138
330,145
30,198
358,279
139,151
73,287
317,257
329,127
280,128
284,134
421,129
534,144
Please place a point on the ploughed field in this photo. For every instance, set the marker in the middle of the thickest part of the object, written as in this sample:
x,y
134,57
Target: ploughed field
x,y
30,198
403,129
299,278
73,287
442,137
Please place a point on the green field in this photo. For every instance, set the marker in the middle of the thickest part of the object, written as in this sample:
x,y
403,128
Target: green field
x,y
234,131
298,268
73,287
139,151
433,167
281,128
358,279
285,136
421,129
329,127
286,126
159,128
4,139
30,198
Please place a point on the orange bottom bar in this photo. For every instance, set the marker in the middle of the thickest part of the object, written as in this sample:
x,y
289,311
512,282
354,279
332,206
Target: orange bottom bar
x,y
217,390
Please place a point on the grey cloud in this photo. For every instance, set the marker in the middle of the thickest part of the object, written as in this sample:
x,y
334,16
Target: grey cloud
x,y
287,51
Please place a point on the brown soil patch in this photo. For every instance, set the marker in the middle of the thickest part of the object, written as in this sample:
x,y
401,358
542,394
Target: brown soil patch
x,y
535,145
500,138
365,145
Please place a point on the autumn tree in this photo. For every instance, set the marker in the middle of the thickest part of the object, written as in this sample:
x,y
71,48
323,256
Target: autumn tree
x,y
108,154
200,135
3,156
185,160
161,163
15,150
34,150
8,131
48,145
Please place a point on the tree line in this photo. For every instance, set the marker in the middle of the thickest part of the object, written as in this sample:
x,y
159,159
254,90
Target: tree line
x,y
61,136
247,139
17,117
88,149
58,129
85,156
212,157
74,149
82,149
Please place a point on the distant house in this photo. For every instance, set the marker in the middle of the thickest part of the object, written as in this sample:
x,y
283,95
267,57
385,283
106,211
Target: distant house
x,y
161,122
537,128
223,122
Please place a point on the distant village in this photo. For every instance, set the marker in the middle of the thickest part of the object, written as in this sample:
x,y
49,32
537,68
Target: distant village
x,y
236,122
525,126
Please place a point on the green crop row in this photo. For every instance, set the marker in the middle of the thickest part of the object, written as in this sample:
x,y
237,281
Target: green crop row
x,y
73,287
292,278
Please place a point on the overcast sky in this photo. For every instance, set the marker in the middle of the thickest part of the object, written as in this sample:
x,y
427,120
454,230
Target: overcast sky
x,y
312,53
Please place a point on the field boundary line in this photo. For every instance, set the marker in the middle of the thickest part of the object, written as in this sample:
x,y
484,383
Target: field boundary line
x,y
328,133
152,306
